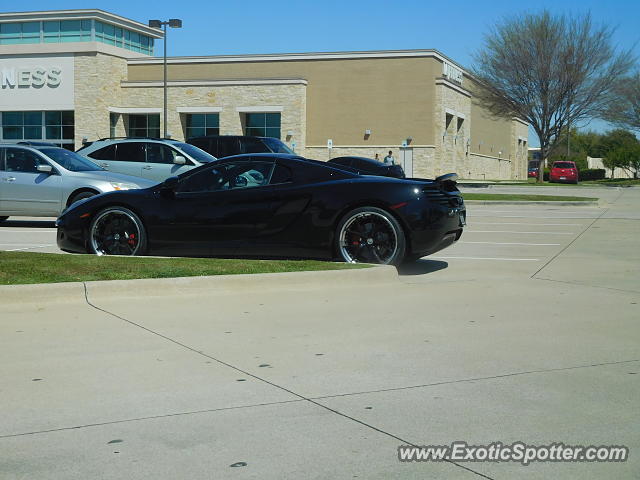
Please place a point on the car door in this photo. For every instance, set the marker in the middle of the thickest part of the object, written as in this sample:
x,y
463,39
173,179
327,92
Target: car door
x,y
104,156
282,233
217,210
130,157
26,191
160,164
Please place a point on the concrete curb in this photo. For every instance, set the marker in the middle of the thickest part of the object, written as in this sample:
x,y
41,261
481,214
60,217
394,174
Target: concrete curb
x,y
41,294
529,202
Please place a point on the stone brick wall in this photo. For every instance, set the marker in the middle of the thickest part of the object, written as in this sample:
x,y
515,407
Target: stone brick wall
x,y
451,141
292,99
97,87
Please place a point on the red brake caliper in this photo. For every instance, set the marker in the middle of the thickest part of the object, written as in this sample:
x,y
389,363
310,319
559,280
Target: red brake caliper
x,y
132,239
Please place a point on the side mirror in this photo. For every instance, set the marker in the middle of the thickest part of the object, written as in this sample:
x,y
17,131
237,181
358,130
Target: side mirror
x,y
170,183
44,168
179,160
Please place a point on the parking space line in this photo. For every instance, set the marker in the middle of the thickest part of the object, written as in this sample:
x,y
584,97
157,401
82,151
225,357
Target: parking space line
x,y
488,258
512,231
475,215
529,224
515,243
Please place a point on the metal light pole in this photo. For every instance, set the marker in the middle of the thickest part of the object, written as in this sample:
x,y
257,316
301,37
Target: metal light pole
x,y
173,23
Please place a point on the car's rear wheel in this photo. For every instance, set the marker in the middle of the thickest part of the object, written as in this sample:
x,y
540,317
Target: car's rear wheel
x,y
80,196
370,235
2,219
117,231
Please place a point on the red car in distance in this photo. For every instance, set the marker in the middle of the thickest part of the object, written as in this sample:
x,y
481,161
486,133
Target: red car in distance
x,y
564,172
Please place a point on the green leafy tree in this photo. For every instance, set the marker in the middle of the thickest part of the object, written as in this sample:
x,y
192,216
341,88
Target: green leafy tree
x,y
619,149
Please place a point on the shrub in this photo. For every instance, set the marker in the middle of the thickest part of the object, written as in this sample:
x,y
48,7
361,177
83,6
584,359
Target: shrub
x,y
592,174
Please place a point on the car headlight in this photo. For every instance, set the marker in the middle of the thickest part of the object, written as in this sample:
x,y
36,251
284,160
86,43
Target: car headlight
x,y
123,186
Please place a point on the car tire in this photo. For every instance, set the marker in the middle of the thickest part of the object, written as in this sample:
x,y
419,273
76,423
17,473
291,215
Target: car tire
x,y
2,219
80,196
117,231
370,235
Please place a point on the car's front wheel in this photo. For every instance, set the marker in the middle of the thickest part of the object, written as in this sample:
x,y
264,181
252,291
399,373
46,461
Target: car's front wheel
x,y
117,231
370,235
80,196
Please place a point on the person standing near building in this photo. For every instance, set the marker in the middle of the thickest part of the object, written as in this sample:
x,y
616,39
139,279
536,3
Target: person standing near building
x,y
389,160
377,158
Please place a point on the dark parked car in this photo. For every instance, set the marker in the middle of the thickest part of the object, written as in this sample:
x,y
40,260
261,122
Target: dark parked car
x,y
369,166
271,206
226,145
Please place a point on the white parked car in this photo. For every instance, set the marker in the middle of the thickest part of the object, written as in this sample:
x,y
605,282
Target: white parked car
x,y
154,159
42,180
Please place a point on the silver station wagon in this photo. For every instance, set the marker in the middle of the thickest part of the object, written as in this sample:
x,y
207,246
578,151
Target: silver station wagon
x,y
42,180
154,159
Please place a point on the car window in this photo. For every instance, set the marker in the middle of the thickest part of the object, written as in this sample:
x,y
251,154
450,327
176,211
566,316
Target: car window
x,y
70,160
195,152
281,174
228,176
252,145
105,153
23,161
277,146
130,152
159,153
227,147
563,165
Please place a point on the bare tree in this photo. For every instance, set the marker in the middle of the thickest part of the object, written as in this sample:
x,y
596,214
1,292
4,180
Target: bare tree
x,y
550,70
624,111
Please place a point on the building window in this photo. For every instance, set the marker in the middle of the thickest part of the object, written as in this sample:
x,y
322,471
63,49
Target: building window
x,y
201,124
60,31
262,124
67,31
19,32
113,123
144,125
55,127
120,37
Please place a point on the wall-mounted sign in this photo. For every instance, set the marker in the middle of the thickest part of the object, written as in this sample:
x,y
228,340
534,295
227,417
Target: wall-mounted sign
x,y
452,73
30,77
37,83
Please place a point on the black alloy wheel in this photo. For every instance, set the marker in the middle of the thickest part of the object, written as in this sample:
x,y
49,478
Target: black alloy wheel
x,y
117,231
370,235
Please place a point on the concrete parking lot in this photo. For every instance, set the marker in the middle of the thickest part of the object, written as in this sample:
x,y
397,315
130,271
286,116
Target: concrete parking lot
x,y
526,330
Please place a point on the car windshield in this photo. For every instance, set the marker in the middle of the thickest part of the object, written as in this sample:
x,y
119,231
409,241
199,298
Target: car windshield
x,y
195,152
563,165
276,146
70,160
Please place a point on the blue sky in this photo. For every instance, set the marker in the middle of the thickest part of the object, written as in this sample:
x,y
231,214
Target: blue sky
x,y
276,26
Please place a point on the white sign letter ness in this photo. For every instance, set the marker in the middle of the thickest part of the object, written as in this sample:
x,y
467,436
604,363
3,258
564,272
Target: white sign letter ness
x,y
37,83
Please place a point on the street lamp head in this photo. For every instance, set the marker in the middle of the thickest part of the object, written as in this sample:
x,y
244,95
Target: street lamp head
x,y
175,23
155,23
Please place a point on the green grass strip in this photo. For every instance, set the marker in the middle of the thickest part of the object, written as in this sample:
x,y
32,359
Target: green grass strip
x,y
30,267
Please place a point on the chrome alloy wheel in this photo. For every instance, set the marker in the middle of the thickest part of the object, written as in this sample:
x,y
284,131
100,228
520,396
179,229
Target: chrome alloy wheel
x,y
116,232
368,237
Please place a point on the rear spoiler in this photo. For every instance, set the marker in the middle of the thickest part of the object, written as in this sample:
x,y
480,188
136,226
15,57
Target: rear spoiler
x,y
447,177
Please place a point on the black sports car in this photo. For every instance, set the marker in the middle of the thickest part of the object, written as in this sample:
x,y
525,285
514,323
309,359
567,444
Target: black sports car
x,y
369,166
271,205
